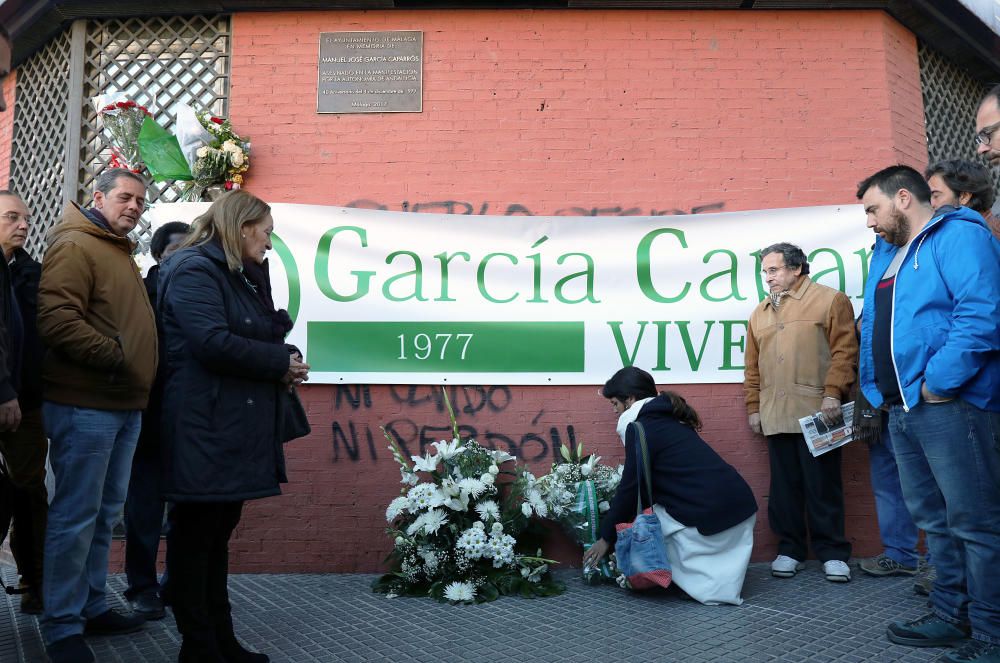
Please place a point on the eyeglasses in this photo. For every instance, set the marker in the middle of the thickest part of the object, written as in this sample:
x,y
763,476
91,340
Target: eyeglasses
x,y
986,135
773,270
14,217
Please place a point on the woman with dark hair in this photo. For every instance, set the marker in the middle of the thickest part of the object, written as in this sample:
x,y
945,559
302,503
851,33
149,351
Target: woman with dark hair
x,y
227,364
705,508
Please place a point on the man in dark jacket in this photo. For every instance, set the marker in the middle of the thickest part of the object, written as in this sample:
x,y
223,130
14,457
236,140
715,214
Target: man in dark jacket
x,y
144,504
24,449
96,321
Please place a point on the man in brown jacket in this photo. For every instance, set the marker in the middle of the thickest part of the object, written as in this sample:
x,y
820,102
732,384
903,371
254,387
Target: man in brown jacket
x,y
801,358
98,325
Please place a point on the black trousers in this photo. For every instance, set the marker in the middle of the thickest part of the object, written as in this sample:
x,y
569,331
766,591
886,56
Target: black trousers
x,y
806,490
198,574
24,452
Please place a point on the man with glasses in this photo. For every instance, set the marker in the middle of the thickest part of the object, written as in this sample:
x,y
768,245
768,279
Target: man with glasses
x,y
24,449
930,355
800,359
98,325
988,131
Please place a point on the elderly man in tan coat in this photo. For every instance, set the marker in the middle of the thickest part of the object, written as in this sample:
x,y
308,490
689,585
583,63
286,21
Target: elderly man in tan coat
x,y
801,358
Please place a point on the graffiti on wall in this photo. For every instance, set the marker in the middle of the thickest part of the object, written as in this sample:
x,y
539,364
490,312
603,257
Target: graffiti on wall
x,y
357,437
518,209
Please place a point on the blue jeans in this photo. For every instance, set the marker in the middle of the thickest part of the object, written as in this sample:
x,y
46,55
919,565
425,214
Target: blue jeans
x,y
948,456
895,524
91,455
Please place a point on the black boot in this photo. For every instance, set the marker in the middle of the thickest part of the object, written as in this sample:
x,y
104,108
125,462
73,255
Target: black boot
x,y
232,650
196,650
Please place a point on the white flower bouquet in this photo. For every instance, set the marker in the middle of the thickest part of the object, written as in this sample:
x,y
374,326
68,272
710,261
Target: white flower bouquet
x,y
460,526
576,492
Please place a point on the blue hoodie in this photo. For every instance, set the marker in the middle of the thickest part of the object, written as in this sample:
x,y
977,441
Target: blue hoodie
x,y
946,313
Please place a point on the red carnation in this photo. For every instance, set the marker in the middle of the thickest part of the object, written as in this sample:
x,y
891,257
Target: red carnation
x,y
217,120
229,185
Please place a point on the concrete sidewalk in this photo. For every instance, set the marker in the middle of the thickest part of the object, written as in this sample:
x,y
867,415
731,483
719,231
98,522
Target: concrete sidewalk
x,y
303,618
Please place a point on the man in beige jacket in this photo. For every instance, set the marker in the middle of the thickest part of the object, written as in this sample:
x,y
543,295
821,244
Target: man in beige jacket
x,y
97,323
801,358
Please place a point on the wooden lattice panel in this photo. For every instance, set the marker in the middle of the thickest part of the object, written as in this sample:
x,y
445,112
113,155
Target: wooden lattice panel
x,y
951,98
161,63
38,145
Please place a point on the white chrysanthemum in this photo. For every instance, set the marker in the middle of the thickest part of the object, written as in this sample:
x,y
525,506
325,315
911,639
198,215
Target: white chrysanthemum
x,y
433,520
497,528
537,503
494,470
460,503
472,487
526,509
202,152
425,496
460,592
236,158
230,146
396,507
500,548
448,450
428,463
487,478
488,510
472,543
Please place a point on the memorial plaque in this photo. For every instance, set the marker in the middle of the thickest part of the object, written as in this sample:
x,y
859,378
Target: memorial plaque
x,y
371,72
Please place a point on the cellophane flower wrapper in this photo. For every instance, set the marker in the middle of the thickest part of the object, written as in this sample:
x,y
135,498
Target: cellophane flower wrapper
x,y
577,493
122,121
216,154
457,526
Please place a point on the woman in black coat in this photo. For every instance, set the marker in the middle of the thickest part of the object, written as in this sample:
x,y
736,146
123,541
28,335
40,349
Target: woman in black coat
x,y
705,508
227,364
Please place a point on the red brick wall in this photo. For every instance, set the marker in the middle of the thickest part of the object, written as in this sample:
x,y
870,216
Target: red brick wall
x,y
632,112
7,128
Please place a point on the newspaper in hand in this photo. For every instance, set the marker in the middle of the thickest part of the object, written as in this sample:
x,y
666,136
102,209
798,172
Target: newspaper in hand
x,y
822,437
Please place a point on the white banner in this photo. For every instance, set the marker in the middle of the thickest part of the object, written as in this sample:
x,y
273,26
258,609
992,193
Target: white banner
x,y
402,298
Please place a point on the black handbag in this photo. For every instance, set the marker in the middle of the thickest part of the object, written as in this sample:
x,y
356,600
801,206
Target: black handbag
x,y
294,422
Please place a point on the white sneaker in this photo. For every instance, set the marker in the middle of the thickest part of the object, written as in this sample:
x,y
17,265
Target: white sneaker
x,y
784,566
836,571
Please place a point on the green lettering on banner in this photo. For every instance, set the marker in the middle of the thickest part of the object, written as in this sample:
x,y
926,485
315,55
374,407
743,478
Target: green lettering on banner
x,y
661,345
733,272
536,272
589,273
417,273
291,273
322,268
644,261
481,277
445,260
728,343
838,268
693,360
759,276
616,331
448,347
865,256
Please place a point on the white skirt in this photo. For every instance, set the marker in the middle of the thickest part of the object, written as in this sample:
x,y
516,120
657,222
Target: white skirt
x,y
710,569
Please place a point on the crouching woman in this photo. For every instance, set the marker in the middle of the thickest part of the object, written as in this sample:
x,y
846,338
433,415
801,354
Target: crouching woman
x,y
705,508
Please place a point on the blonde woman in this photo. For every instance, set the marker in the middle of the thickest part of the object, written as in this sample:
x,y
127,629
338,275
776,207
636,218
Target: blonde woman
x,y
227,363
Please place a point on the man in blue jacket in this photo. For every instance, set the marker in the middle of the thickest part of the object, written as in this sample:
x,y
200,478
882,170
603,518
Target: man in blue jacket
x,y
930,355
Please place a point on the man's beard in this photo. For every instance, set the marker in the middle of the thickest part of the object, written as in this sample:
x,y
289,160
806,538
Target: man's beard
x,y
901,234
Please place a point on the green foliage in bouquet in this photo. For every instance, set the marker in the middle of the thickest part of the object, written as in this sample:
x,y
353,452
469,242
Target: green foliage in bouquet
x,y
460,526
576,492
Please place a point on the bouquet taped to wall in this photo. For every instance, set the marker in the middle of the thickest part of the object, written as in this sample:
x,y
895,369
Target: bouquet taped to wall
x,y
216,155
121,120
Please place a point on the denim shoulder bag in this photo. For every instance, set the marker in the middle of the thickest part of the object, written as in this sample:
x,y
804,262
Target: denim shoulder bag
x,y
640,549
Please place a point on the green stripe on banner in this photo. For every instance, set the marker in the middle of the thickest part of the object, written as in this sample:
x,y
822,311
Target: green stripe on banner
x,y
458,347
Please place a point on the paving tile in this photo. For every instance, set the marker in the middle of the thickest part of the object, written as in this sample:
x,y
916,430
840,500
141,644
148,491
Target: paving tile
x,y
336,618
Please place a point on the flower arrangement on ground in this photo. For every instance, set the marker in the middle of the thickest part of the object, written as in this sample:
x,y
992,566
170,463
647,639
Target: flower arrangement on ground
x,y
222,158
122,121
458,523
576,492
